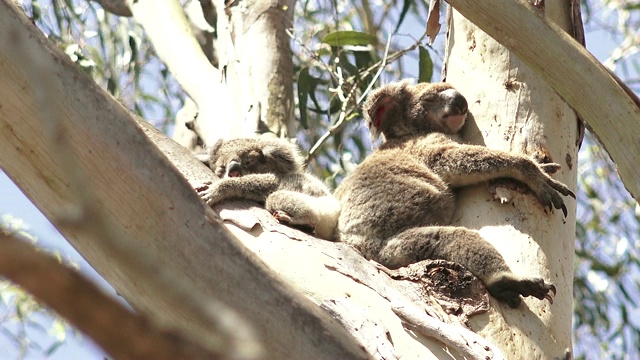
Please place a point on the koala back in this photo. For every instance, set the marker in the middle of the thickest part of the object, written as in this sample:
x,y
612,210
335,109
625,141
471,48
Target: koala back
x,y
392,191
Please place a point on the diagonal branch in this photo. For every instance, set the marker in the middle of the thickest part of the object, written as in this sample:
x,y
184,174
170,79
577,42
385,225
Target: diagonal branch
x,y
121,333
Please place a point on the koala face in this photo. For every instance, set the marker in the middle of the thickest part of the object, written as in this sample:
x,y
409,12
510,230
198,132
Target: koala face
x,y
401,109
239,157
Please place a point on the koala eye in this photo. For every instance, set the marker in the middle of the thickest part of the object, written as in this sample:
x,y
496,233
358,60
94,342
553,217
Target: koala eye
x,y
253,158
429,100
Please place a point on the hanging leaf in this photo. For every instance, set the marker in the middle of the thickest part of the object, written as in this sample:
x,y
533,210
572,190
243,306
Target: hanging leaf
x,y
433,20
426,66
405,9
304,85
342,38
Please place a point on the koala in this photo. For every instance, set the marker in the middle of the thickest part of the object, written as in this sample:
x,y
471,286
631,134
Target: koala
x,y
398,204
270,171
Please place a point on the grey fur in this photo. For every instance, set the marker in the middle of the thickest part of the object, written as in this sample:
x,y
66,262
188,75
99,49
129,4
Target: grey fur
x,y
270,171
398,205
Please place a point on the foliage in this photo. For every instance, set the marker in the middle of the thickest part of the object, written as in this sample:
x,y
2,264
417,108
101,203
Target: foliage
x,y
115,52
342,49
620,21
607,285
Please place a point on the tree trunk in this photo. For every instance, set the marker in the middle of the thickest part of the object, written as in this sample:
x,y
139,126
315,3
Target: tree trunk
x,y
255,58
254,48
515,110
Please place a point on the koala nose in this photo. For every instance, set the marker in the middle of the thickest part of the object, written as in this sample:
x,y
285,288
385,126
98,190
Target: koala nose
x,y
456,103
234,169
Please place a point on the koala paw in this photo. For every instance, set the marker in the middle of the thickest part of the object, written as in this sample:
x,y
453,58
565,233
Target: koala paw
x,y
549,195
286,219
283,217
509,289
207,193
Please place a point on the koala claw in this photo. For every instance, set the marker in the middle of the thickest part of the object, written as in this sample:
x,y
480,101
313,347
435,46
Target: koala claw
x,y
282,217
510,289
203,187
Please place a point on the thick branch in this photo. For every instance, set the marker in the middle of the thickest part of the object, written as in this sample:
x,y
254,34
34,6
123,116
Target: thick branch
x,y
572,71
121,333
470,344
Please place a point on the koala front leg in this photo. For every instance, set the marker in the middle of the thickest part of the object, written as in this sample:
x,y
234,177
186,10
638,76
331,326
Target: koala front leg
x,y
462,165
298,209
469,249
254,187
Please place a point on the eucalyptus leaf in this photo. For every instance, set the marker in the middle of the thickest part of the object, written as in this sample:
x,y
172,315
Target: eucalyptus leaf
x,y
426,65
342,38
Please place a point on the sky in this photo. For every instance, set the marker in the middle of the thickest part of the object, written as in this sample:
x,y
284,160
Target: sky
x,y
13,201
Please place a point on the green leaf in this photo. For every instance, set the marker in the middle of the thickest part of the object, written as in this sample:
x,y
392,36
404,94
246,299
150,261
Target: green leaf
x,y
405,9
304,86
53,348
426,66
342,38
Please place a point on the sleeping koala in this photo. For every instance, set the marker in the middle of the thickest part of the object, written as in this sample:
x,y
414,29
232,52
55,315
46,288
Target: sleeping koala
x,y
270,171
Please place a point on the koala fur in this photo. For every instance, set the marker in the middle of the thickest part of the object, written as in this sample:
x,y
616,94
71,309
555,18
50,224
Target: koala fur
x,y
270,171
398,205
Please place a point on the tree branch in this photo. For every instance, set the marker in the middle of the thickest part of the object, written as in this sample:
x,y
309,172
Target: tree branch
x,y
121,333
468,343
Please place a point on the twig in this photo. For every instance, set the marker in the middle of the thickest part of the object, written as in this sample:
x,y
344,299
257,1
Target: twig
x,y
386,59
343,112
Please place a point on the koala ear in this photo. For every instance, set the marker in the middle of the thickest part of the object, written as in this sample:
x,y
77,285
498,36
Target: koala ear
x,y
213,152
382,103
285,156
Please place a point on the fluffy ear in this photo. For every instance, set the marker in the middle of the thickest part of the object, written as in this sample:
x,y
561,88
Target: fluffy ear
x,y
285,156
382,104
213,152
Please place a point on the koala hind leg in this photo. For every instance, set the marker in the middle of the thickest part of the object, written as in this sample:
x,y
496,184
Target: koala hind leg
x,y
302,210
468,248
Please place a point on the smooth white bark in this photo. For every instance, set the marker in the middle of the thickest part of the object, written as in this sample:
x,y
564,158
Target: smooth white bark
x,y
575,74
514,109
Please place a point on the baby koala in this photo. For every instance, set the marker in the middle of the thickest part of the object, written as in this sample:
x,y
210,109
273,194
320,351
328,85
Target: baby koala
x,y
270,171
